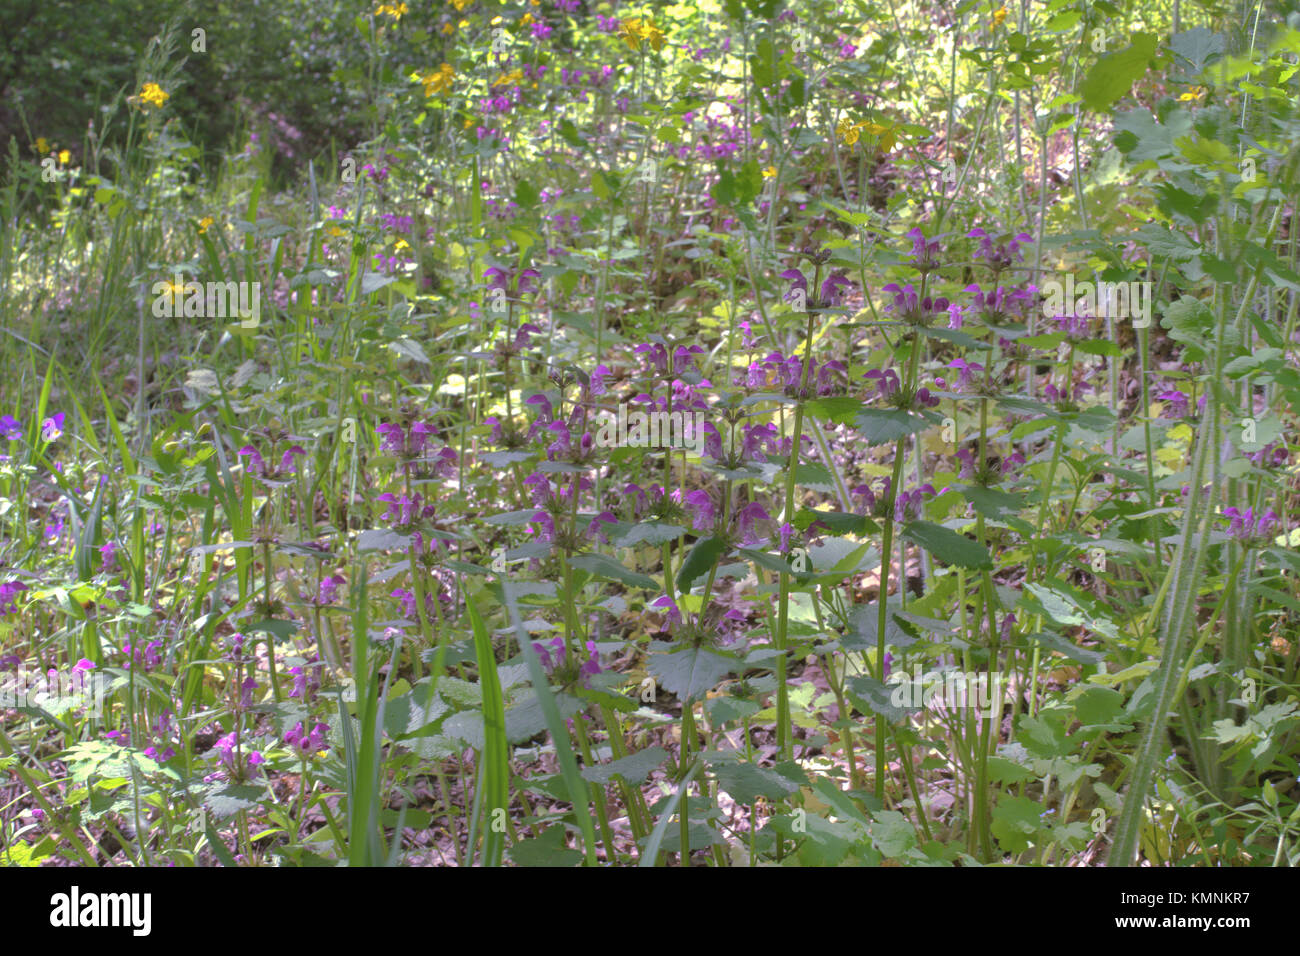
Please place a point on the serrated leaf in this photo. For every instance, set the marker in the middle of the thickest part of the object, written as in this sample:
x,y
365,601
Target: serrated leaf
x,y
690,672
651,533
886,700
746,782
876,426
634,768
1114,74
229,800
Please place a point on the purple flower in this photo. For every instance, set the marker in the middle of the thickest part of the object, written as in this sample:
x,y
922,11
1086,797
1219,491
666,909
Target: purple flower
x,y
52,427
1179,402
831,294
925,253
867,495
108,557
562,443
543,525
596,529
10,428
1075,327
1001,256
908,503
540,488
674,616
255,462
307,744
887,382
798,287
964,371
328,591
786,531
703,512
1272,455
286,461
392,437
1243,525
746,518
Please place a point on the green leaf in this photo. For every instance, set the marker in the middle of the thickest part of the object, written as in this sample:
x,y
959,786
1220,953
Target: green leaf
x,y
876,426
864,620
947,545
605,567
870,694
746,782
1197,46
840,409
494,758
634,768
703,555
1015,820
526,194
547,850
651,533
374,281
892,833
726,710
841,523
814,475
690,672
1114,74
651,853
1164,242
229,800
579,790
1056,642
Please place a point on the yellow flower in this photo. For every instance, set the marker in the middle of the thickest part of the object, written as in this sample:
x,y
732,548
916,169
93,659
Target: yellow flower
x,y
155,95
1195,93
394,10
401,244
460,4
65,157
436,81
886,133
769,173
513,78
204,223
526,19
42,145
637,30
848,132
999,15
448,29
